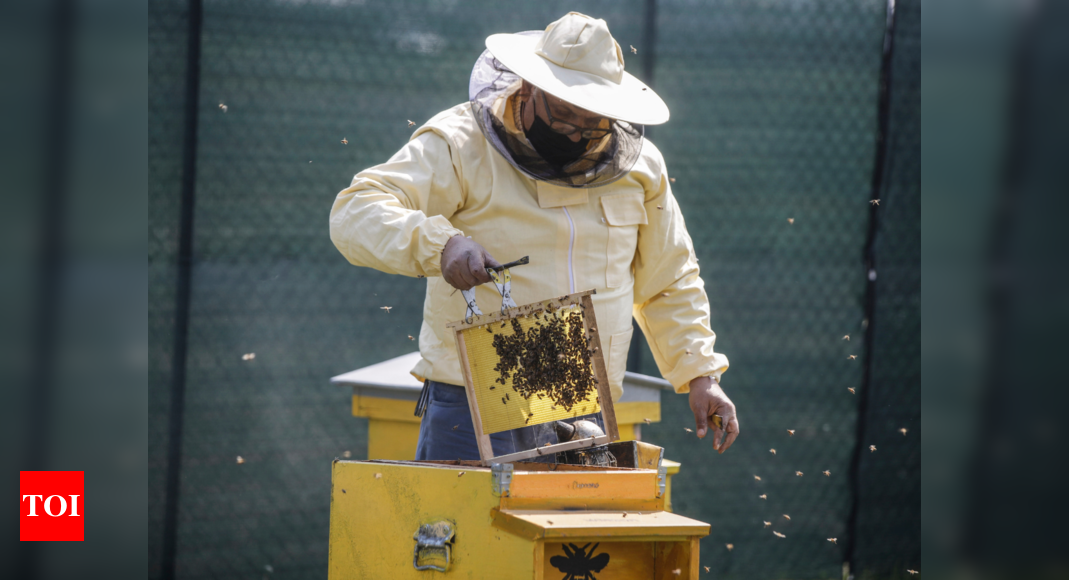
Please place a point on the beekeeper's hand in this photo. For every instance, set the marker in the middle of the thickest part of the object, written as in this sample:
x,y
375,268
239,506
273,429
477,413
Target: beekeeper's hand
x,y
464,263
707,399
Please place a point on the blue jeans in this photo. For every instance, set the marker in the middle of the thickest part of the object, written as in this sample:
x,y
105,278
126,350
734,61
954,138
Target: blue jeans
x,y
447,432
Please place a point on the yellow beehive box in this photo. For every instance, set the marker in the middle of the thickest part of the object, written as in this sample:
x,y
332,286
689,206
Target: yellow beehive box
x,y
523,520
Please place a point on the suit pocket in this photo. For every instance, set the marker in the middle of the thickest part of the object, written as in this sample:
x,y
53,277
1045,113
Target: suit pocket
x,y
617,362
623,213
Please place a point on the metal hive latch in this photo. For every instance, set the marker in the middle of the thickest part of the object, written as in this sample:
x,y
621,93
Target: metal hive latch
x,y
502,478
434,546
662,477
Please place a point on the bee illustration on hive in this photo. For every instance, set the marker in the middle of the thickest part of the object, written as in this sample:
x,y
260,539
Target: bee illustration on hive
x,y
580,564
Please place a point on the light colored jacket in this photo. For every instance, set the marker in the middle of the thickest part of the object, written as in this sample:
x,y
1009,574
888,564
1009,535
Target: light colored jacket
x,y
626,239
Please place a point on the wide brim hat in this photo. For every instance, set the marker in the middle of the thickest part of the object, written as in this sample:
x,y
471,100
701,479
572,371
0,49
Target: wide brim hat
x,y
576,59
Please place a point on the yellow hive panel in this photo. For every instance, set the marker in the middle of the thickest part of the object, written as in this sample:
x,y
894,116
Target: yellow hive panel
x,y
514,412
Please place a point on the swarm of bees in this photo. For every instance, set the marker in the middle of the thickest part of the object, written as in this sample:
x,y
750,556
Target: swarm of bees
x,y
532,359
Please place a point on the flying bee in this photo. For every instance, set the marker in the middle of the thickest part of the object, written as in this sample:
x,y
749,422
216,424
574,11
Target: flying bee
x,y
763,496
790,432
767,524
827,473
790,220
833,540
846,337
411,123
772,451
787,516
852,391
874,201
386,308
852,357
872,448
779,535
798,473
344,141
730,547
757,478
634,50
903,431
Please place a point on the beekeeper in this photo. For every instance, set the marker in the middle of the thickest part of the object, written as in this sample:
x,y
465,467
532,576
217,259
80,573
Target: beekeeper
x,y
547,159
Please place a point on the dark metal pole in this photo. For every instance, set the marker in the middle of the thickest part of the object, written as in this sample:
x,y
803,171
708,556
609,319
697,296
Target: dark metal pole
x,y
181,313
876,191
50,260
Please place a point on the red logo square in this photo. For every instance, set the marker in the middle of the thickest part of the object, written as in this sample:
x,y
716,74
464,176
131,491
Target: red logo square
x,y
52,506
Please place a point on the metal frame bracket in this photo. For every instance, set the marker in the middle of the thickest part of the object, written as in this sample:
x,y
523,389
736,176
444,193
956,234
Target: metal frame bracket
x,y
502,478
662,478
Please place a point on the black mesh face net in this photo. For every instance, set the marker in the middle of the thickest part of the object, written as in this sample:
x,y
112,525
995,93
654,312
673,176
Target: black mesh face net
x,y
492,81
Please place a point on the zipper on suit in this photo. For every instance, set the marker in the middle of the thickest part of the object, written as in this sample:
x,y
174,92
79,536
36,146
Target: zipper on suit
x,y
571,248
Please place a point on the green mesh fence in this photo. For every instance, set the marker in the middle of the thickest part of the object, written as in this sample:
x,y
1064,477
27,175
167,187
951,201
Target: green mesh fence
x,y
773,117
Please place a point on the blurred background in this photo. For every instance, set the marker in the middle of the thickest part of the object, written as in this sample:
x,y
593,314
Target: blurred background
x,y
781,110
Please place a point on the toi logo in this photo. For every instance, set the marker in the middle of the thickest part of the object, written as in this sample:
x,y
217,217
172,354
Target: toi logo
x,y
52,506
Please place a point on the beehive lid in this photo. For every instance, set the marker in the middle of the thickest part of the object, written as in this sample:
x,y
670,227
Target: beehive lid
x,y
551,525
